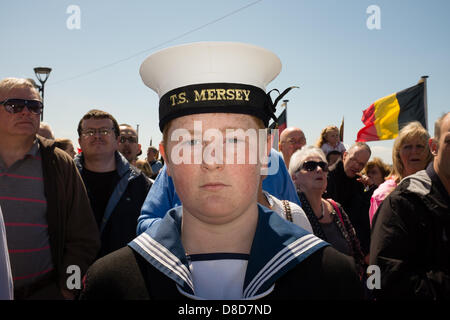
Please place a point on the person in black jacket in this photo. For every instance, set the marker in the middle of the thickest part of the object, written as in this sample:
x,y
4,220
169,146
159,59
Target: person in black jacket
x,y
48,219
346,186
411,231
116,189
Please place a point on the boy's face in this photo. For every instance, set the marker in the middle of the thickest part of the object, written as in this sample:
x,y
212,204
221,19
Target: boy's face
x,y
214,183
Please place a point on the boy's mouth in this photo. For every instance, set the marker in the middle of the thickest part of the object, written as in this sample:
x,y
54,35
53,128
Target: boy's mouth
x,y
213,186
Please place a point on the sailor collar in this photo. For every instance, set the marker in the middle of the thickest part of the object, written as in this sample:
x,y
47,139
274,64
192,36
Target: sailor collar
x,y
278,246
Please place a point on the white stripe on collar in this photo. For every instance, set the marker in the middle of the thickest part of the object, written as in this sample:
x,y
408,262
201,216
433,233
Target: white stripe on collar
x,y
165,257
281,259
157,243
259,296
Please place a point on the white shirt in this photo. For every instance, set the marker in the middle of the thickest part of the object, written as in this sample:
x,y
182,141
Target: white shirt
x,y
6,281
326,147
298,215
219,276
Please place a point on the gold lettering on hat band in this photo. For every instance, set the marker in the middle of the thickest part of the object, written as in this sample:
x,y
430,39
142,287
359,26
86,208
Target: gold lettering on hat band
x,y
222,94
210,95
178,98
213,98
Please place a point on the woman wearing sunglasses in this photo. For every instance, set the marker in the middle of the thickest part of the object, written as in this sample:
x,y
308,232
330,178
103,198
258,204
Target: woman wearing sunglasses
x,y
309,168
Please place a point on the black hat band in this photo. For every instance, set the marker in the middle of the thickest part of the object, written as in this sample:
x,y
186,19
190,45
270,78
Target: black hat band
x,y
215,97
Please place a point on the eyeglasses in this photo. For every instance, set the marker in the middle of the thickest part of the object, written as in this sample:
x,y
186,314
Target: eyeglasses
x,y
295,141
312,165
123,139
92,132
17,105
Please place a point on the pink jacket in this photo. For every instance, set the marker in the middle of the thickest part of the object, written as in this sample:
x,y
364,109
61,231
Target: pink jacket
x,y
379,195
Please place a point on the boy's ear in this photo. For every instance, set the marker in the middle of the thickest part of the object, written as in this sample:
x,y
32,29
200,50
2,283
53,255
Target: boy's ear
x,y
269,143
433,145
162,151
344,155
265,154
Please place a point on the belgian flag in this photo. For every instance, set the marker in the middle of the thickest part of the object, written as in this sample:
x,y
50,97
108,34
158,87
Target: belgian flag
x,y
386,116
282,122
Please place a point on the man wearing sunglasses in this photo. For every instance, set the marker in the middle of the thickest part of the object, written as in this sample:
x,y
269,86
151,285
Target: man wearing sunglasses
x,y
48,219
128,143
115,188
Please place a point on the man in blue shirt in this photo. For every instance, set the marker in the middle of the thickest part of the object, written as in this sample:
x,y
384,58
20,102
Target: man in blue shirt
x,y
152,159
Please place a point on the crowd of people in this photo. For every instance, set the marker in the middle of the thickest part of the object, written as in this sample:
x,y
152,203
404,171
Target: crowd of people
x,y
155,228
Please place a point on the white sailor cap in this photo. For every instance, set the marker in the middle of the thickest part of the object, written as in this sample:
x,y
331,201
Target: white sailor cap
x,y
208,77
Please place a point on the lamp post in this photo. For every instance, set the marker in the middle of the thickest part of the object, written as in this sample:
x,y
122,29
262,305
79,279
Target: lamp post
x,y
42,74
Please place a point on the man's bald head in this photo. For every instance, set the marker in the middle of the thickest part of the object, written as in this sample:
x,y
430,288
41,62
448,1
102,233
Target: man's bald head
x,y
291,140
46,131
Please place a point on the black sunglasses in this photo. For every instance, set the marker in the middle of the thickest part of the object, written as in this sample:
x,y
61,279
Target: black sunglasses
x,y
17,105
122,139
312,165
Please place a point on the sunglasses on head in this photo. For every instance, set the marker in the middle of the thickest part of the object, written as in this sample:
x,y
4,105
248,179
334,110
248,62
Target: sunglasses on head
x,y
123,139
312,165
17,105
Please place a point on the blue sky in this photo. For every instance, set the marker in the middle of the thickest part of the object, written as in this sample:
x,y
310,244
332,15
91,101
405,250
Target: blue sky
x,y
325,47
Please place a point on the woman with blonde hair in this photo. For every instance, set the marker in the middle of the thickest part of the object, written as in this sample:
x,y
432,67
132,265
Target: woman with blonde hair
x,y
145,167
410,154
329,140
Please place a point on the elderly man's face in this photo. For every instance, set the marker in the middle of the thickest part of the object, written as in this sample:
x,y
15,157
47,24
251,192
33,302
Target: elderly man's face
x,y
355,160
24,123
291,141
128,143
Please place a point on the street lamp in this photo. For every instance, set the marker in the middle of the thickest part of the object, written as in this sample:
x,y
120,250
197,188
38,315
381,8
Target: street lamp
x,y
42,74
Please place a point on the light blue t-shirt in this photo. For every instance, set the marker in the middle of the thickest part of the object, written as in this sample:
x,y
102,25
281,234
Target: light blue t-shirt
x,y
156,166
162,196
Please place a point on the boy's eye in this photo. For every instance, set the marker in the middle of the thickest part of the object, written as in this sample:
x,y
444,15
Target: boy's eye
x,y
232,140
191,142
194,142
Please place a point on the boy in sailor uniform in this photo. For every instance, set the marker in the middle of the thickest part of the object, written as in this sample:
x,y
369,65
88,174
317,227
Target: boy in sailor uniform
x,y
220,244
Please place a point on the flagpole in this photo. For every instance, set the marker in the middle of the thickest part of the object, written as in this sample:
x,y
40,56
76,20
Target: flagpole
x,y
341,130
425,98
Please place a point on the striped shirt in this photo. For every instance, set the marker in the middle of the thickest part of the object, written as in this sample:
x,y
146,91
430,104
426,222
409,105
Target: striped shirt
x,y
24,207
